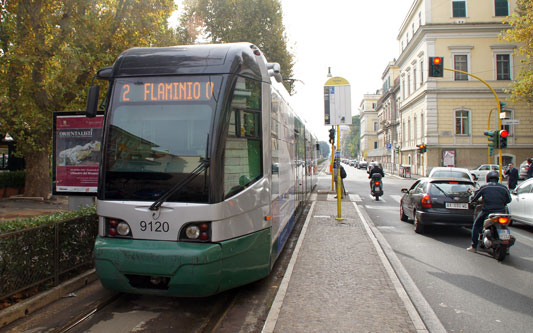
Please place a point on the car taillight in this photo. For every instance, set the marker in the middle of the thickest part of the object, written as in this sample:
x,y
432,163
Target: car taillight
x,y
426,201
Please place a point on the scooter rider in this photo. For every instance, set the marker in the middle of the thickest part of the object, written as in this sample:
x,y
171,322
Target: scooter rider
x,y
495,197
376,169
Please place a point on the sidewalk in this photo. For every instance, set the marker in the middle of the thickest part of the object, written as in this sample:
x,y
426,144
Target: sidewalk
x,y
339,280
19,207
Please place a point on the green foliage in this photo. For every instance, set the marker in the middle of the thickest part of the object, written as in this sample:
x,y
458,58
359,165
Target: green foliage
x,y
12,179
351,144
27,223
522,32
50,50
225,21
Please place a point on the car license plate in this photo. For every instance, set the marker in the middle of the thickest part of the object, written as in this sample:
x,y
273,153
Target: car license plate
x,y
456,205
504,234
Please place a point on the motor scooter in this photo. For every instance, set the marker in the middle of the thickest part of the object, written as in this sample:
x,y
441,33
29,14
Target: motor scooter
x,y
496,236
376,186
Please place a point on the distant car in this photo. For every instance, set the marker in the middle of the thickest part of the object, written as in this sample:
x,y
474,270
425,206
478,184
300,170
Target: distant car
x,y
482,170
521,206
452,172
362,164
523,170
438,201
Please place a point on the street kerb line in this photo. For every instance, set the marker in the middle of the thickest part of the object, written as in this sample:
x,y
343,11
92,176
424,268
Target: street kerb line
x,y
423,317
273,314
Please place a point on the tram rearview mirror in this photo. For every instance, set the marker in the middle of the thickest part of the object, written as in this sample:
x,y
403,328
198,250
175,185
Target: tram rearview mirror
x,y
92,101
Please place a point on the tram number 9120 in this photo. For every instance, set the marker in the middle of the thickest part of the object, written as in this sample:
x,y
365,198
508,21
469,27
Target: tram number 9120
x,y
155,226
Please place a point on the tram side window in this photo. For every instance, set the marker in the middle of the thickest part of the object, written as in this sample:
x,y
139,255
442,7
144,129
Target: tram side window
x,y
243,162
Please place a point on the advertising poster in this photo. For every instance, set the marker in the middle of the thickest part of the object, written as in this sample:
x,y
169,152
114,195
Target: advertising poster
x,y
77,146
448,158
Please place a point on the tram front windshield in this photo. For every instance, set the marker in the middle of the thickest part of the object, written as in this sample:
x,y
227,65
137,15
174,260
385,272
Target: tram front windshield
x,y
157,133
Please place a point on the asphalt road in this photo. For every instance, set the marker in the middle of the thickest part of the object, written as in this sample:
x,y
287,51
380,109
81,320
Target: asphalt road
x,y
469,292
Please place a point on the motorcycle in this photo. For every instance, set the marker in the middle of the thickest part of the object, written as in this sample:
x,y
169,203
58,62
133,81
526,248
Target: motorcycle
x,y
496,236
376,186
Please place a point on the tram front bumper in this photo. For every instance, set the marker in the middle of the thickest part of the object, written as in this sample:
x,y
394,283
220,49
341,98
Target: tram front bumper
x,y
180,268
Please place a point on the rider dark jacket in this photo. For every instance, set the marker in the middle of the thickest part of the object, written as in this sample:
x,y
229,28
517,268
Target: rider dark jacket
x,y
376,169
495,197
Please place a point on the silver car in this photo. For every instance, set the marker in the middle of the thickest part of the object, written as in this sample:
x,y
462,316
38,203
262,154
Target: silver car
x,y
521,206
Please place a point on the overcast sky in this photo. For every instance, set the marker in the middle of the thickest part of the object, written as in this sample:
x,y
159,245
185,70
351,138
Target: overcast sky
x,y
356,38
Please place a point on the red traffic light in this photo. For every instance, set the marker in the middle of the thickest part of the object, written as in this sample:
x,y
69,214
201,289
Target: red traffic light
x,y
504,133
437,60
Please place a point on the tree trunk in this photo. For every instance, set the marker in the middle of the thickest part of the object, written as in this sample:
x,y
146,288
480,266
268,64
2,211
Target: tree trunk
x,y
37,182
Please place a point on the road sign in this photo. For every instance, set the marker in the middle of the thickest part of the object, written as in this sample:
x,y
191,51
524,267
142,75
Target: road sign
x,y
337,102
510,121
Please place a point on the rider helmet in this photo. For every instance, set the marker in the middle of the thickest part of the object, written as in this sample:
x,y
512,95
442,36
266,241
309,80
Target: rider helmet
x,y
492,176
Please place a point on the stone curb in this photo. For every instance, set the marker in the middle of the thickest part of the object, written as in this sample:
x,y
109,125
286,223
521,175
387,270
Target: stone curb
x,y
41,300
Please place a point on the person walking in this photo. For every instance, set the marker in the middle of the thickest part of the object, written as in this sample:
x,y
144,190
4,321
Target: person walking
x,y
512,174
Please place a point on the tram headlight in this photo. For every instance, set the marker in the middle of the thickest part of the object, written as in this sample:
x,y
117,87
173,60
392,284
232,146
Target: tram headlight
x,y
117,228
192,232
196,232
123,229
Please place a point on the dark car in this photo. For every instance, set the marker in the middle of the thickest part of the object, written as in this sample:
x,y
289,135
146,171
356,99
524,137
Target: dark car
x,y
438,201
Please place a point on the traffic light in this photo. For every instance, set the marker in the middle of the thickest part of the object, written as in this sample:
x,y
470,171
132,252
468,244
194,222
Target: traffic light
x,y
493,138
502,106
422,148
332,135
503,138
436,66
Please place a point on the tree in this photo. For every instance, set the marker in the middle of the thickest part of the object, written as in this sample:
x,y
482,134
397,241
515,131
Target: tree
x,y
351,144
522,32
225,21
49,51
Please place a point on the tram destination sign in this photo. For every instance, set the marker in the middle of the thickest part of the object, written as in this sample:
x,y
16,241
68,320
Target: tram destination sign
x,y
337,102
164,90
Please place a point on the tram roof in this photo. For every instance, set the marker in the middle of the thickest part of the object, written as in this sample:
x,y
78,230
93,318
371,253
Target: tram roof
x,y
191,59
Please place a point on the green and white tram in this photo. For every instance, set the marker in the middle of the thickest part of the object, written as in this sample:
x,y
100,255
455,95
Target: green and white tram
x,y
204,169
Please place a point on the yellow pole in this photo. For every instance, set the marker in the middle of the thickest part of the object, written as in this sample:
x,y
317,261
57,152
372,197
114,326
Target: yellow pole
x,y
331,167
339,184
488,129
499,112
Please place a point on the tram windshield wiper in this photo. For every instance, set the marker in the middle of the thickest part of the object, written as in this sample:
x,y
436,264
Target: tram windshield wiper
x,y
204,164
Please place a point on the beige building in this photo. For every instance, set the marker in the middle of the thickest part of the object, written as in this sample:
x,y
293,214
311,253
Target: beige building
x,y
388,118
369,126
450,114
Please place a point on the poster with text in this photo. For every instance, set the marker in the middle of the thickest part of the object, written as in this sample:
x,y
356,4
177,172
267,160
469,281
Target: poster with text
x,y
77,146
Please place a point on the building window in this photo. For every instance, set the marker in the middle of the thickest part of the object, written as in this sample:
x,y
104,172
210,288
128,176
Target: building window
x,y
462,122
376,126
403,89
503,67
414,77
413,27
407,38
501,7
419,19
375,145
409,84
460,62
459,8
421,71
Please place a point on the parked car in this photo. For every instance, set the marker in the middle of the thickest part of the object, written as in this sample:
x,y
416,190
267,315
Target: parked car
x,y
438,201
521,206
523,170
482,170
452,172
362,164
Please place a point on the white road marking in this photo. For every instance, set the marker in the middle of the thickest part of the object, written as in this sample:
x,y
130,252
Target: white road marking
x,y
382,207
396,197
355,197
